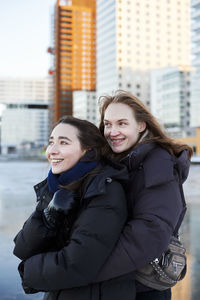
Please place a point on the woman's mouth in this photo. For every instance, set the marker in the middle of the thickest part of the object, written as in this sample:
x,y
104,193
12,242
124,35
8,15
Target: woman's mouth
x,y
56,160
117,142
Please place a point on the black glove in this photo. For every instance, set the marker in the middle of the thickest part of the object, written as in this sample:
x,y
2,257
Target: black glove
x,y
27,290
61,208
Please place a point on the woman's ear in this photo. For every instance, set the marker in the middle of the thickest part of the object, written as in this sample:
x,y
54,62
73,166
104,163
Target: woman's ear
x,y
141,126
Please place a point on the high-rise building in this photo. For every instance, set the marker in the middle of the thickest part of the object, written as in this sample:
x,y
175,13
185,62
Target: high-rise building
x,y
74,52
135,37
170,99
195,51
84,103
25,117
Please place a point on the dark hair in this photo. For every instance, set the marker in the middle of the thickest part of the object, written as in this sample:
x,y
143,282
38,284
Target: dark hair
x,y
90,139
88,134
153,129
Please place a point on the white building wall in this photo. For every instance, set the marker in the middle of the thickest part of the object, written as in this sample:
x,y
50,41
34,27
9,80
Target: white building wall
x,y
25,116
22,125
23,90
84,105
195,97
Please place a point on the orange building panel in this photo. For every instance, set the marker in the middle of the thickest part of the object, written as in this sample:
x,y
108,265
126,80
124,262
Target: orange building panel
x,y
75,52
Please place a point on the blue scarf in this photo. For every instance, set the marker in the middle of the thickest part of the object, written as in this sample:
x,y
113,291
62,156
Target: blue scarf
x,y
78,171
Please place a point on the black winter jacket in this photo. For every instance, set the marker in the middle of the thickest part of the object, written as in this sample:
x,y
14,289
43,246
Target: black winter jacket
x,y
155,206
67,273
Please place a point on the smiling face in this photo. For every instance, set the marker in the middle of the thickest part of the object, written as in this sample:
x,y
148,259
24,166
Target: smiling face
x,y
121,129
64,149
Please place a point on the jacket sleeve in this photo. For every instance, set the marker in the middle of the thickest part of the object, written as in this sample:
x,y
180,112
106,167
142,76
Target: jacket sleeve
x,y
34,237
156,211
94,235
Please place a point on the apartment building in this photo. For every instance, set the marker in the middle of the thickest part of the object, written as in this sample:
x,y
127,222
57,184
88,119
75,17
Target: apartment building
x,y
135,37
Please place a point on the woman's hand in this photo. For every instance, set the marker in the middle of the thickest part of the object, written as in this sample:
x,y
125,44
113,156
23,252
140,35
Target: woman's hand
x,y
26,289
60,209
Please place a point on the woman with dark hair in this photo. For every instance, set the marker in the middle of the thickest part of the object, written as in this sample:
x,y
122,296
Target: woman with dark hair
x,y
156,165
80,214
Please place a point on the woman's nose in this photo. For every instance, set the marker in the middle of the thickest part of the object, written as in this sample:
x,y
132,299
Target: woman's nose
x,y
114,131
54,149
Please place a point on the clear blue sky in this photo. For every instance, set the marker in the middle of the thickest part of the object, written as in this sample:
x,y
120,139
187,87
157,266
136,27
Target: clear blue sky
x,y
25,34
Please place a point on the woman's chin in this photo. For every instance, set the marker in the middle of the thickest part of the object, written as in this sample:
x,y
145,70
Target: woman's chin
x,y
118,149
56,170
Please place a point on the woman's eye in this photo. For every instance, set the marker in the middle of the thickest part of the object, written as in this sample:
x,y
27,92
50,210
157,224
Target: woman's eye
x,y
107,125
50,143
63,143
122,123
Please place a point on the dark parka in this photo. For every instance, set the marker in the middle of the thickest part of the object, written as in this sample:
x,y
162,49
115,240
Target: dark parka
x,y
155,205
67,273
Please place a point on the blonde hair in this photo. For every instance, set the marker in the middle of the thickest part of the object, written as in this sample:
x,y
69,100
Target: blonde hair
x,y
154,131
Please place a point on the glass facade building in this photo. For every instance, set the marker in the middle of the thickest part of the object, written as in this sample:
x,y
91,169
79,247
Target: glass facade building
x,y
74,53
195,51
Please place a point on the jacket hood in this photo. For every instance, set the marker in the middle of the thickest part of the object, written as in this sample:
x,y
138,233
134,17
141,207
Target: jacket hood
x,y
183,164
109,171
137,155
149,151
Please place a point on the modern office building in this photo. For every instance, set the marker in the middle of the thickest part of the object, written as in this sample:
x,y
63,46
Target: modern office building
x,y
170,99
195,51
84,103
25,116
74,52
135,37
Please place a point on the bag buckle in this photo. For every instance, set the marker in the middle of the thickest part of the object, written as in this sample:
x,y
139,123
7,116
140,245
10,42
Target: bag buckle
x,y
175,265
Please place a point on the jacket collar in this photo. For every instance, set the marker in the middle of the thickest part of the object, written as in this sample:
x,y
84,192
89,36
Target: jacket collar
x,y
39,186
134,159
42,191
109,171
137,155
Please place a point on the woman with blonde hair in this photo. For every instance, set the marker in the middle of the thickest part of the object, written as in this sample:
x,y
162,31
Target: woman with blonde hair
x,y
156,165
